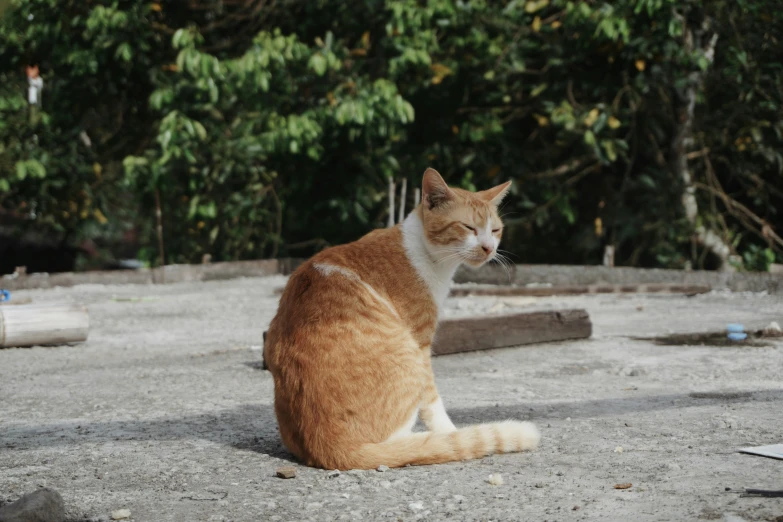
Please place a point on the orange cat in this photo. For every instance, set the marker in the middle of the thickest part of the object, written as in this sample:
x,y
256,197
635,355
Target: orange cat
x,y
349,348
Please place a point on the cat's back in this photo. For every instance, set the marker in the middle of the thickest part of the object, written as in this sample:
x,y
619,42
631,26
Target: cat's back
x,y
372,275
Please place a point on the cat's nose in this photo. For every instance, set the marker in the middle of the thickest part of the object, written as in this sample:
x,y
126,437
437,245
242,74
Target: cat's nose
x,y
486,249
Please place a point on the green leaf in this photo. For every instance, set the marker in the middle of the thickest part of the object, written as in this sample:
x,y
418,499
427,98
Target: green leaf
x,y
193,207
318,64
36,169
648,182
124,52
21,170
538,89
200,130
611,152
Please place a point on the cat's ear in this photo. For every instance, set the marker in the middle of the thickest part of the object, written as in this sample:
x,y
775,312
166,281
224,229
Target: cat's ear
x,y
496,194
434,191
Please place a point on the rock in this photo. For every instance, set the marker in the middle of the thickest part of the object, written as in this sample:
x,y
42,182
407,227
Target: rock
x,y
772,330
495,479
618,449
120,514
383,468
416,506
333,474
287,472
539,484
44,505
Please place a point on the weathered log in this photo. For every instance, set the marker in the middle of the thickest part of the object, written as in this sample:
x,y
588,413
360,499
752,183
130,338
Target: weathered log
x,y
501,331
39,324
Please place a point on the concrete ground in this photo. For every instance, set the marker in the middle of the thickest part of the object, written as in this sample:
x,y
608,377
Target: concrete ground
x,y
165,411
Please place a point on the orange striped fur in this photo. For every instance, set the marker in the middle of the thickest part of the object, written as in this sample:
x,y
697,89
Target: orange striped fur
x,y
349,347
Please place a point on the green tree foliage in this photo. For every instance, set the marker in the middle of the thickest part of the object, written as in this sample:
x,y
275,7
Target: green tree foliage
x,y
264,126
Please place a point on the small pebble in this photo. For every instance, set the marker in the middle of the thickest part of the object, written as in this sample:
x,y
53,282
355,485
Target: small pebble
x,y
333,474
120,514
286,473
416,506
495,479
539,484
383,468
618,449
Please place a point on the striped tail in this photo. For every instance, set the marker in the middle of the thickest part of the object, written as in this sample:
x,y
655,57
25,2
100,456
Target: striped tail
x,y
471,442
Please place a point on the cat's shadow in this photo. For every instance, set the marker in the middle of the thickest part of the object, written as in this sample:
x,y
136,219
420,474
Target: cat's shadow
x,y
246,427
253,427
609,407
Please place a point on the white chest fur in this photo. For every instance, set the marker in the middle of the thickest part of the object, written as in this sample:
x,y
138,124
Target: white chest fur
x,y
434,269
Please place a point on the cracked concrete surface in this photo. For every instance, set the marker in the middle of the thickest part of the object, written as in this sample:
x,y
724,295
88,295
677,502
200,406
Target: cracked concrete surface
x,y
165,411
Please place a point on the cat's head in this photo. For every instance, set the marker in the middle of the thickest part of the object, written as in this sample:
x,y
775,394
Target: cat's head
x,y
459,224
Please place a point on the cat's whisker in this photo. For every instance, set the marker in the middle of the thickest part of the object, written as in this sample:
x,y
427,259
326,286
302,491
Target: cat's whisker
x,y
451,257
507,252
504,262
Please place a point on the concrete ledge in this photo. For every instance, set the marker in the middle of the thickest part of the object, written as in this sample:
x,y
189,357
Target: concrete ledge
x,y
518,275
568,275
166,274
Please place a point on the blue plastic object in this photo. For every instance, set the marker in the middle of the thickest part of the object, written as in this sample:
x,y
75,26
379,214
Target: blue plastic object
x,y
735,328
5,295
734,336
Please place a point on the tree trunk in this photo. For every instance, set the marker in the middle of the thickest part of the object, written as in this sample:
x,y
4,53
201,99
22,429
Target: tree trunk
x,y
694,38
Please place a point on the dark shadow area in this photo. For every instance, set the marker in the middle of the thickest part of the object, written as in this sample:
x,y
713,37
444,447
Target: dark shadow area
x,y
256,365
607,407
717,339
248,427
254,427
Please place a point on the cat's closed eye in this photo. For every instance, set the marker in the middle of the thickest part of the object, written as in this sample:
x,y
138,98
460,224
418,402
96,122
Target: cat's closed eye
x,y
472,229
495,230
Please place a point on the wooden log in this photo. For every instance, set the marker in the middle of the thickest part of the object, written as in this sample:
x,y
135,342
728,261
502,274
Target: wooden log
x,y
38,324
501,331
544,291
